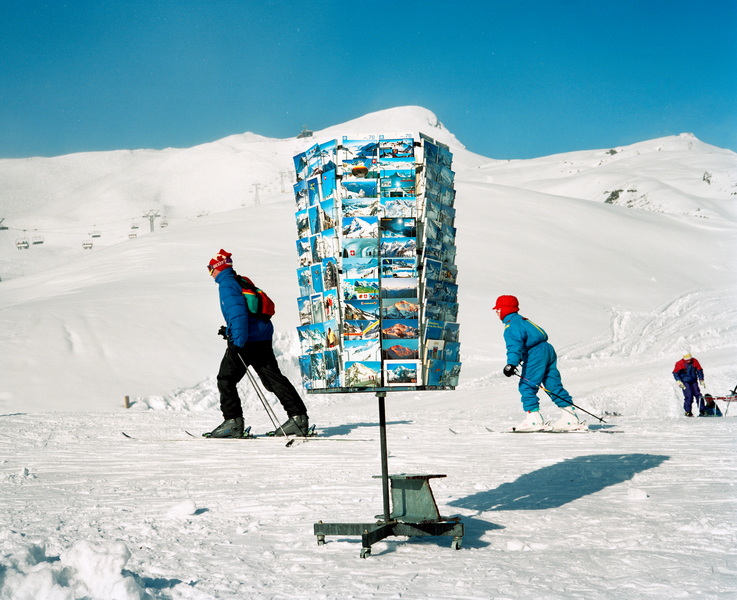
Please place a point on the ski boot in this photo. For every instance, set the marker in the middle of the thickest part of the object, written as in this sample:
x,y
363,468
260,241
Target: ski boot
x,y
230,428
296,425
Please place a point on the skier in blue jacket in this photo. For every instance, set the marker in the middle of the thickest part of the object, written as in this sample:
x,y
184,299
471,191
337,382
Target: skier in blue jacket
x,y
249,343
527,344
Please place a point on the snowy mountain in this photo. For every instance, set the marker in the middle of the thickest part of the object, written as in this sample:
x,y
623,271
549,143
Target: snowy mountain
x,y
624,255
136,316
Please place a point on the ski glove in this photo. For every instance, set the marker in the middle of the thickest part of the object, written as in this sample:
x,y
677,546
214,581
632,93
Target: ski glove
x,y
223,332
509,370
681,385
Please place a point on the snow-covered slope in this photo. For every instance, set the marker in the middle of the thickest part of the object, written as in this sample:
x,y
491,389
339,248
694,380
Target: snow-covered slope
x,y
82,328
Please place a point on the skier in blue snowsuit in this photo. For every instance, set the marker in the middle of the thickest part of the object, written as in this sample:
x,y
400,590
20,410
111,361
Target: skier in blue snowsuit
x,y
527,344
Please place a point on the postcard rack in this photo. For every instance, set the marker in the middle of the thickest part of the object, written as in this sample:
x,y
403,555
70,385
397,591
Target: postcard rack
x,y
414,513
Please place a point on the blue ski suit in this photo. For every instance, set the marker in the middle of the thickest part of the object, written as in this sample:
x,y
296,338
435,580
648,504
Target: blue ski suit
x,y
527,343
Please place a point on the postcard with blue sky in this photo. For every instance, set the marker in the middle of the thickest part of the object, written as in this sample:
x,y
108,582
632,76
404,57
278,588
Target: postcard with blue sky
x,y
402,349
360,148
361,329
360,289
361,350
362,374
402,373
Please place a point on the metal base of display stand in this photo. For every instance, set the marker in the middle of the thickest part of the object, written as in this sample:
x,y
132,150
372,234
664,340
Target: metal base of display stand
x,y
415,511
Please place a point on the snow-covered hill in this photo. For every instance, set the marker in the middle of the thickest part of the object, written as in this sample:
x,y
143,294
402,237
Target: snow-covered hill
x,y
138,316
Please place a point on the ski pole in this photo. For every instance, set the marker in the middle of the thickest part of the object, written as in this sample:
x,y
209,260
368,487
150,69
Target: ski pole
x,y
269,411
549,393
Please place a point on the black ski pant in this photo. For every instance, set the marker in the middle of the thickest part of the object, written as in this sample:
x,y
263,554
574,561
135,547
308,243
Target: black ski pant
x,y
259,355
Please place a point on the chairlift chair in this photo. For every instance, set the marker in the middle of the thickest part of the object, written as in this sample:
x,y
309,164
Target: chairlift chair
x,y
132,235
95,234
38,240
22,244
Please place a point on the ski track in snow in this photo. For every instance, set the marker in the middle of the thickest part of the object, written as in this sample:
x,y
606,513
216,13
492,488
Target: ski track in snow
x,y
650,513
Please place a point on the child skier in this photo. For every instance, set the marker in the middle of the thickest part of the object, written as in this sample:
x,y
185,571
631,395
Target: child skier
x,y
527,343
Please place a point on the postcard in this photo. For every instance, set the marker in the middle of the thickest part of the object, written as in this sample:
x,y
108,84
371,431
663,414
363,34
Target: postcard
x,y
360,227
318,315
452,352
358,267
399,267
400,349
304,280
399,206
303,223
329,273
434,329
361,350
300,194
400,329
304,251
367,148
397,148
361,310
451,332
434,350
328,186
360,248
397,183
330,304
304,306
434,372
398,247
360,289
362,374
300,166
313,191
400,308
360,168
398,227
359,188
361,207
361,329
399,287
402,373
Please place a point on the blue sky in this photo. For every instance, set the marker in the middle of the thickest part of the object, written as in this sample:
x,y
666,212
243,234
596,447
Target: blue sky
x,y
511,79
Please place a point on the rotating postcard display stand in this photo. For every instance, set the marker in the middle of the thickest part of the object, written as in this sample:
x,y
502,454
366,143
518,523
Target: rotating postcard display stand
x,y
378,298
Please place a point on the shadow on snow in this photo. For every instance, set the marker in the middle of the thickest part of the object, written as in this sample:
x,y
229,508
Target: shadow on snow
x,y
561,483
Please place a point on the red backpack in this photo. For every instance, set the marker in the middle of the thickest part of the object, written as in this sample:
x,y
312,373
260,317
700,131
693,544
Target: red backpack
x,y
257,301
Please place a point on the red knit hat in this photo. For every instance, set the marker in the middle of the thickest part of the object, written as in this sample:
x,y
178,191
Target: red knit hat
x,y
506,305
220,261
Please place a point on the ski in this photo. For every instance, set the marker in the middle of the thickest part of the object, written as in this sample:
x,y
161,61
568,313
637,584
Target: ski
x,y
312,435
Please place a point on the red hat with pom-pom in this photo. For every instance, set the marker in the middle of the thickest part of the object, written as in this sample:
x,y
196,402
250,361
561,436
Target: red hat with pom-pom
x,y
220,261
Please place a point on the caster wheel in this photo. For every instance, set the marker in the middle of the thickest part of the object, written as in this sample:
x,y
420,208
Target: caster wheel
x,y
320,540
456,544
365,552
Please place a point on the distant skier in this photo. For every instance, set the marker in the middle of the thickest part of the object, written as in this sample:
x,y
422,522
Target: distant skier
x,y
688,373
249,343
527,343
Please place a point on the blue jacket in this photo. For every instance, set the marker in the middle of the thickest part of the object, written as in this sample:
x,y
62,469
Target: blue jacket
x,y
241,326
520,335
